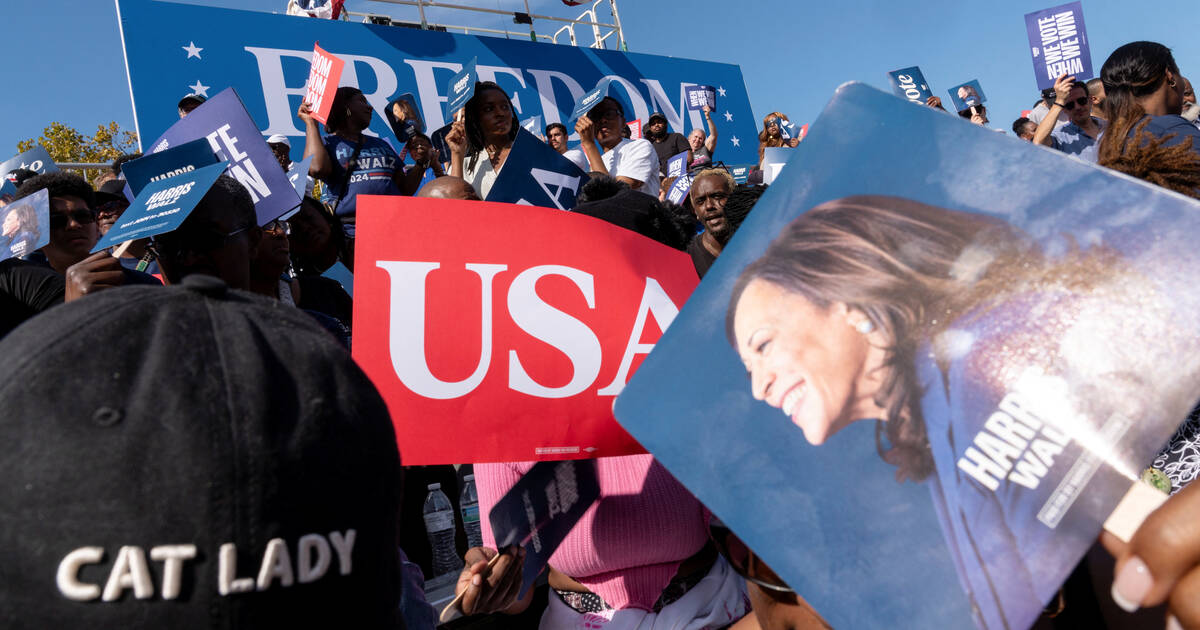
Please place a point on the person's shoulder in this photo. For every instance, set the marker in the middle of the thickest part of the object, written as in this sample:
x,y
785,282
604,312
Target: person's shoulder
x,y
641,145
135,277
1172,123
377,143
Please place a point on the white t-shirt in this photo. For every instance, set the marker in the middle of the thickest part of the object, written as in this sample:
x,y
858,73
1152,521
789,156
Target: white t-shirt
x,y
481,175
579,158
1039,113
635,159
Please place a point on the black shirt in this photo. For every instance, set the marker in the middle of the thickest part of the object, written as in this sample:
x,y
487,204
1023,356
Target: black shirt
x,y
672,145
26,289
702,259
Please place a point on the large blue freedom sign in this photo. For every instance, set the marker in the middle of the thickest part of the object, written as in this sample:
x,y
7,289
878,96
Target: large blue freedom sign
x,y
175,49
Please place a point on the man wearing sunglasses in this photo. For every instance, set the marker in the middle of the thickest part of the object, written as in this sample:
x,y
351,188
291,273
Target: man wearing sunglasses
x,y
73,232
1082,131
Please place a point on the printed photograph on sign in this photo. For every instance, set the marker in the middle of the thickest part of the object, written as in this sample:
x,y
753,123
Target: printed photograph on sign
x,y
25,225
1058,43
902,361
967,95
404,117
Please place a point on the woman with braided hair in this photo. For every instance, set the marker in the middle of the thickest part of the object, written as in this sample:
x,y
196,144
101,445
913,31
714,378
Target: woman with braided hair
x,y
1146,136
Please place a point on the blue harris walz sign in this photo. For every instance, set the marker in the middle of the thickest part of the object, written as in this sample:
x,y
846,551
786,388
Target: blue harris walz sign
x,y
266,58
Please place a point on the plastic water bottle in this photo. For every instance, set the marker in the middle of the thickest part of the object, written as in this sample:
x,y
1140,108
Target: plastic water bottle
x,y
439,525
469,505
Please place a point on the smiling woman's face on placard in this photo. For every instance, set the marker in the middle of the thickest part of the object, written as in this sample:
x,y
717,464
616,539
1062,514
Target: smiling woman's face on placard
x,y
807,361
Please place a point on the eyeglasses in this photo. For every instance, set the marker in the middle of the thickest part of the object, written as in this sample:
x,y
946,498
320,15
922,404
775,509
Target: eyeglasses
x,y
200,241
743,561
277,228
1070,105
82,216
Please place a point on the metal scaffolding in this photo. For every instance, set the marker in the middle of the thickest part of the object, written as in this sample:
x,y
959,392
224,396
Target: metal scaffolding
x,y
590,19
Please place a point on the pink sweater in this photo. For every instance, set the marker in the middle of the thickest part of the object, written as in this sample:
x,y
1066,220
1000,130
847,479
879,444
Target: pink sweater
x,y
627,546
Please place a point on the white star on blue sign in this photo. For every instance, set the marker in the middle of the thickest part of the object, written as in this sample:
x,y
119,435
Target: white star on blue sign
x,y
736,142
721,92
728,116
200,89
192,50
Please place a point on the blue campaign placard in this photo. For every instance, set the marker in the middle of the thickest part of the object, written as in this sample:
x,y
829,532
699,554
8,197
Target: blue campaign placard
x,y
235,138
534,174
541,509
24,224
680,189
698,96
892,285
589,100
910,83
788,129
298,176
1058,44
35,159
741,172
677,164
460,88
404,117
162,206
967,95
266,58
176,160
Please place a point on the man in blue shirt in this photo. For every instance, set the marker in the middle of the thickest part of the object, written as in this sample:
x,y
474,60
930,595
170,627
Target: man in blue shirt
x,y
1082,131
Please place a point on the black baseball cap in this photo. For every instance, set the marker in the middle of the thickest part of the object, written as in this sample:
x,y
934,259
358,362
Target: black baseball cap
x,y
193,456
191,98
111,190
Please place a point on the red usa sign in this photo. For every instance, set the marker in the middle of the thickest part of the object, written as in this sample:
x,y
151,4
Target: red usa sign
x,y
499,332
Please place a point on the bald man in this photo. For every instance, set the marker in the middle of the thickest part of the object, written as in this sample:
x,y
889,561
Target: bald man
x,y
449,187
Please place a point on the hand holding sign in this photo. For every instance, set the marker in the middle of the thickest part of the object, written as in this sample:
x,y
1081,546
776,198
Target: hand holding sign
x,y
489,583
322,83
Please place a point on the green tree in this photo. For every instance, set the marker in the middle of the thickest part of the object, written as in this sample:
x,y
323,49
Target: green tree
x,y
66,144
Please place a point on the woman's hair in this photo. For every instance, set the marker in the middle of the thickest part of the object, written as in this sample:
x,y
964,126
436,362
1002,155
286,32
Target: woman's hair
x,y
1132,72
475,139
913,270
27,219
766,140
340,108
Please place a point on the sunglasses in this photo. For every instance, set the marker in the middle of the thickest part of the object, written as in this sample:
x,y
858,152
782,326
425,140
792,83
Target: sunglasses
x,y
277,228
1070,105
111,208
83,216
743,561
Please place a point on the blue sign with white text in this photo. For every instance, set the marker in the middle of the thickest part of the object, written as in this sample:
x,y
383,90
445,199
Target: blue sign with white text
x,y
266,58
1058,44
677,164
298,175
460,89
535,174
908,367
234,137
698,96
24,224
176,160
910,83
680,189
35,159
162,206
590,99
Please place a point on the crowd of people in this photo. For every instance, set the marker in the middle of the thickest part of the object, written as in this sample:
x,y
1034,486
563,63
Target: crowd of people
x,y
281,465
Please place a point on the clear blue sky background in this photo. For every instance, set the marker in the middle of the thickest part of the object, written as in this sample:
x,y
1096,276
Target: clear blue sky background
x,y
64,60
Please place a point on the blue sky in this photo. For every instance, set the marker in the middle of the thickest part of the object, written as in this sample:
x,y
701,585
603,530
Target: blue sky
x,y
64,57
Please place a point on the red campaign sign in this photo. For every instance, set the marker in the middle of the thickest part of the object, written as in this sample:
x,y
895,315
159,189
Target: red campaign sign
x,y
322,83
499,332
635,129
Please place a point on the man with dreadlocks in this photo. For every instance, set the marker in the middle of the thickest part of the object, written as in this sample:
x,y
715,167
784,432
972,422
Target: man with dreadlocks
x,y
1146,136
